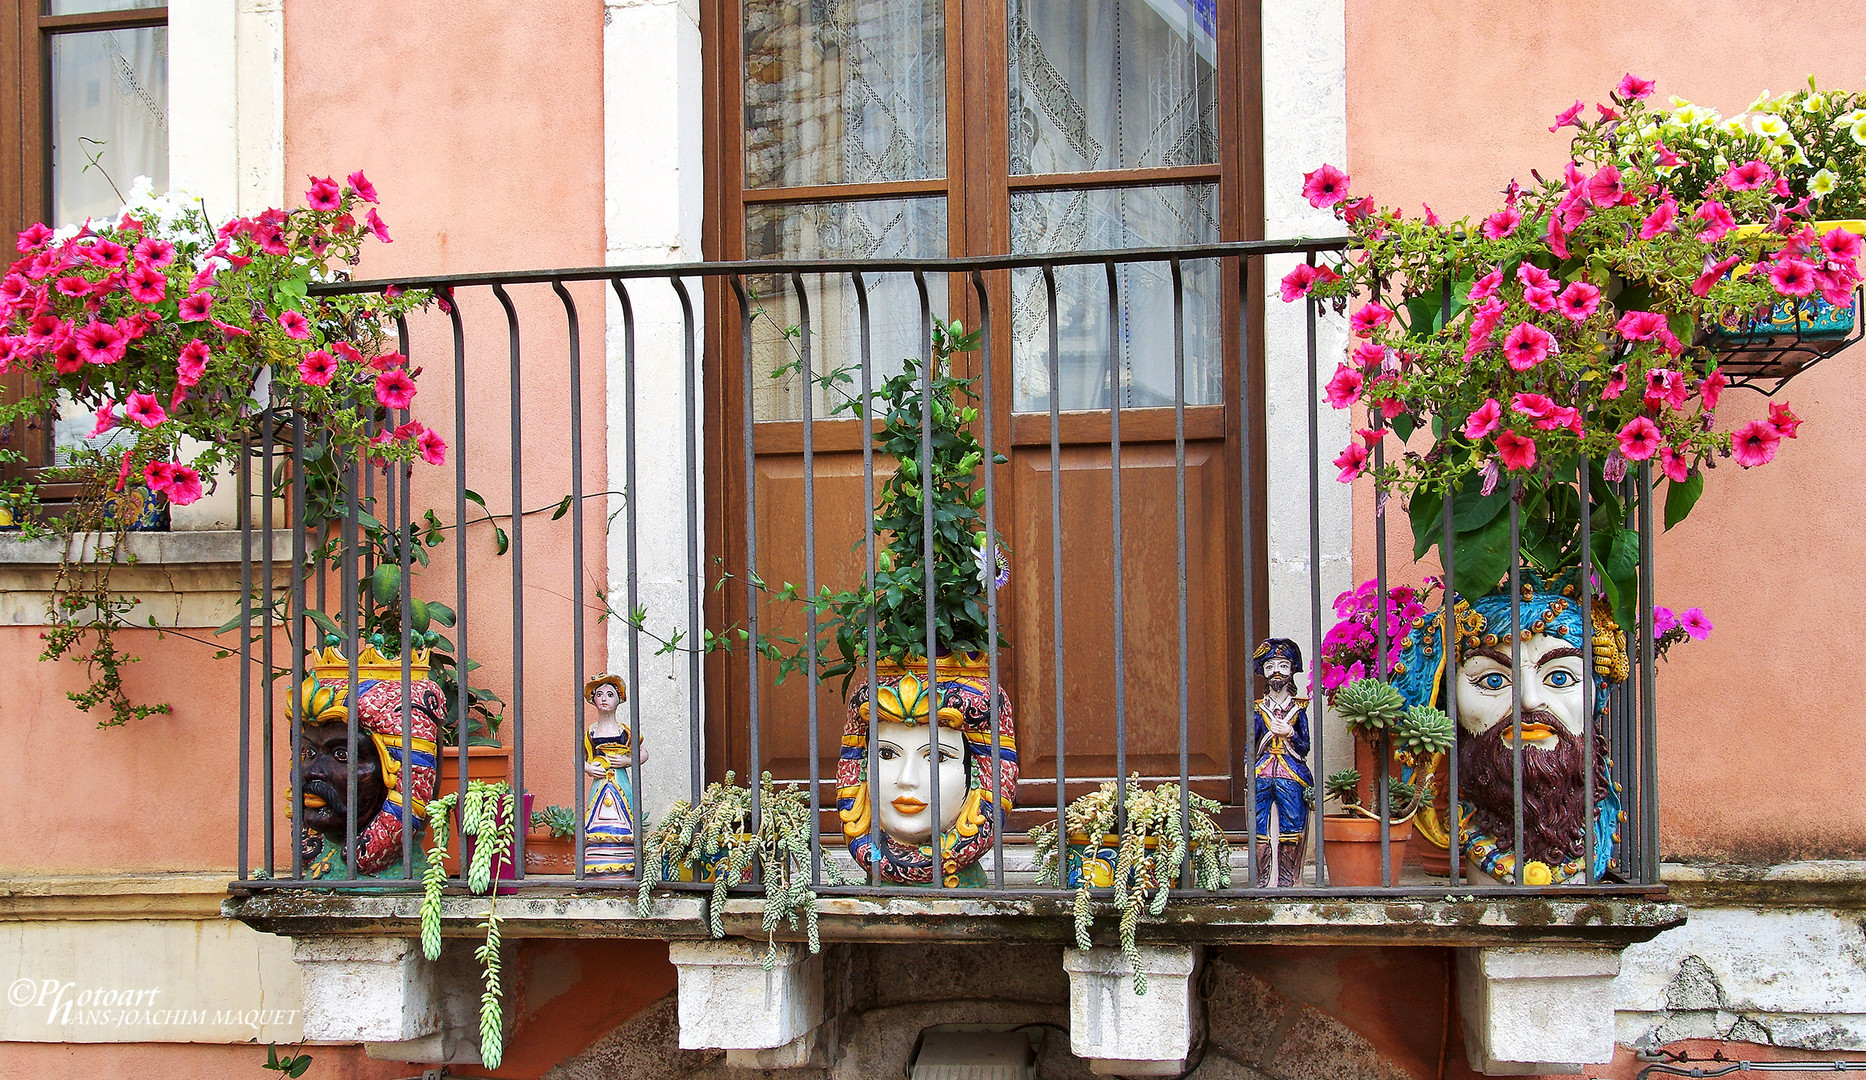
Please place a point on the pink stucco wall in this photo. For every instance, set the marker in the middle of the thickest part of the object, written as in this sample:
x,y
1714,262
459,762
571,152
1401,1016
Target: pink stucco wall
x,y
1446,103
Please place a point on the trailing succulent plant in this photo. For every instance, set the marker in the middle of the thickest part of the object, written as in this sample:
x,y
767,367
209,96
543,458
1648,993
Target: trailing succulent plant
x,y
1151,846
487,814
719,833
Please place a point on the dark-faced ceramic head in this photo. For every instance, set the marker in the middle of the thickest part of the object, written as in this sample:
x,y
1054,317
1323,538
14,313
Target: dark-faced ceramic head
x,y
327,766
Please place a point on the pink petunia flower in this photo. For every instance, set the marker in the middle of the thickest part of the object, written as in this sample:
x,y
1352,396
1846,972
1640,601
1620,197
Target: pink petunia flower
x,y
1640,325
1578,301
1607,112
317,368
1754,443
394,389
1633,88
1717,220
196,307
1359,210
1502,223
1841,245
1485,287
1541,299
1516,451
1696,623
107,253
34,237
155,251
1483,420
1431,215
374,221
1534,277
324,194
1674,465
159,475
1533,406
1713,273
1792,277
433,449
185,487
144,409
147,285
1343,389
1711,389
1665,387
1369,318
191,362
73,285
1639,439
347,351
1368,354
1606,187
230,331
100,342
1297,283
1748,176
1662,620
1352,462
106,419
1567,117
295,325
1660,220
1527,345
1783,419
360,184
1325,186
1667,159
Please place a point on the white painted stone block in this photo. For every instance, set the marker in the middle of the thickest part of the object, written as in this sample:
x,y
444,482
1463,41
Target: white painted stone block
x,y
1530,1010
367,989
728,1001
1119,1031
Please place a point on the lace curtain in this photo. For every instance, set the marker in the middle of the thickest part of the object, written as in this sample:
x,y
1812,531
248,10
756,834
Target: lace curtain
x,y
110,104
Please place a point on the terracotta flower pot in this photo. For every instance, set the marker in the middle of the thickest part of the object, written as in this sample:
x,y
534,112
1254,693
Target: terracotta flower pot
x,y
1352,848
547,854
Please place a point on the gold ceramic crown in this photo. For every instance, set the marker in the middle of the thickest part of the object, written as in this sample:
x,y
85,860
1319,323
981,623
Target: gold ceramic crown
x,y
330,663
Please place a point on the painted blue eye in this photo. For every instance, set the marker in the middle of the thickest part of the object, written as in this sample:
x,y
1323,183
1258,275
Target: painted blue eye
x,y
1561,680
1496,680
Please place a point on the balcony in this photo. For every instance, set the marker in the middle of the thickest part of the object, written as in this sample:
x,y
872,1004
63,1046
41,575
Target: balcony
x,y
1164,507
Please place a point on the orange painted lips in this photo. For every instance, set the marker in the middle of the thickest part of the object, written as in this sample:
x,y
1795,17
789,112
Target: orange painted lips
x,y
312,802
1534,732
909,805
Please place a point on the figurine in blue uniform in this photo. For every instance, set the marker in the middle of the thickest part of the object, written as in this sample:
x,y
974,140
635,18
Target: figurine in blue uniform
x,y
1280,734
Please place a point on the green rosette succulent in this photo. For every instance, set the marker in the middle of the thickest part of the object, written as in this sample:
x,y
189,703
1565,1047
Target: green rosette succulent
x,y
1370,706
1424,730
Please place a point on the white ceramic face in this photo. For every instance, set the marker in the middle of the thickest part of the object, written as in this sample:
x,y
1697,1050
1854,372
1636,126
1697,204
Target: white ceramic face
x,y
903,784
606,698
1277,665
1551,685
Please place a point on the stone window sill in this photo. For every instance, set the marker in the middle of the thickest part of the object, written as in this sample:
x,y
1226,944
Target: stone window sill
x,y
181,579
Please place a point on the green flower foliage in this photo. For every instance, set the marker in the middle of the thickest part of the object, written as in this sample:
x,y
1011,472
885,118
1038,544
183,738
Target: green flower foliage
x,y
1370,706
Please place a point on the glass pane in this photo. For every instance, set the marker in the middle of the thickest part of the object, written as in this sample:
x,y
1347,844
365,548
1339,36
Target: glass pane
x,y
109,119
1043,222
844,91
1112,84
79,7
875,229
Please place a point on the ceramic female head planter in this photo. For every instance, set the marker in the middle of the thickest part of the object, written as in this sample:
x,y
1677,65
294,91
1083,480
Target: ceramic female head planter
x,y
1554,726
394,780
899,798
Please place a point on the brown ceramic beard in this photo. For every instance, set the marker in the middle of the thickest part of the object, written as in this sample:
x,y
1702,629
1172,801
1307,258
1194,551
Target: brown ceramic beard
x,y
1554,803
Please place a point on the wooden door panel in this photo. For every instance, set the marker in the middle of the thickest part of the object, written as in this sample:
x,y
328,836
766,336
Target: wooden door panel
x,y
1150,612
840,510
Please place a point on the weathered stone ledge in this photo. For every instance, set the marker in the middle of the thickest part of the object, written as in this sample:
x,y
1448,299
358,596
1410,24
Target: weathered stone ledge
x,y
1816,883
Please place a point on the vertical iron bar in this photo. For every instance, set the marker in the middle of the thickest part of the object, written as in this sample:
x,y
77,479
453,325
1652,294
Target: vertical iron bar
x,y
1588,763
574,329
461,701
402,523
1247,560
928,480
1056,551
809,573
1516,673
1454,815
749,427
1378,423
1179,550
270,428
1000,819
353,642
690,401
300,644
245,516
1315,575
1115,553
1648,692
868,568
518,586
632,587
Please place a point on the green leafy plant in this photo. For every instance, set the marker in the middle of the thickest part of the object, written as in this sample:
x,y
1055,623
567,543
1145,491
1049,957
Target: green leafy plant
x,y
1151,845
1375,712
559,821
488,815
291,1065
718,833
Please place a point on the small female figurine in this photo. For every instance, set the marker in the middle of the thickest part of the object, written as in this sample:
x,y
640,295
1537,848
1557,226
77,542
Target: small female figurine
x,y
609,828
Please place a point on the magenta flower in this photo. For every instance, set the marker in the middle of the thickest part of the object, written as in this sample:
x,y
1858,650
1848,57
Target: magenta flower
x,y
1325,186
1527,345
1754,443
347,351
1484,420
1667,159
1431,215
1717,220
1567,117
155,252
73,285
1792,277
100,342
1673,465
1516,451
144,409
1711,389
324,194
1541,299
1534,277
196,307
295,325
1533,406
185,487
158,475
1578,301
1696,623
1713,273
360,184
1502,223
1352,462
317,368
1640,325
1633,88
147,285
1485,287
1662,620
374,221
1749,176
1298,282
107,253
106,419
1841,245
1783,419
394,389
1660,220
1369,318
1605,188
1639,439
433,449
1345,387
35,237
1370,354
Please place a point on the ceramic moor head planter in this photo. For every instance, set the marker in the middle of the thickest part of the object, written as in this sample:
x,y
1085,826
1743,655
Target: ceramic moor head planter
x,y
393,779
1554,727
973,790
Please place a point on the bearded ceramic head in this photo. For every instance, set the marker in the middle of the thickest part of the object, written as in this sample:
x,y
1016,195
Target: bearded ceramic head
x,y
925,742
1554,697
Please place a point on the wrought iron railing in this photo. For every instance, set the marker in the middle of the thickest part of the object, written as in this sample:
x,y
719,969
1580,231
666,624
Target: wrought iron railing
x,y
499,424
